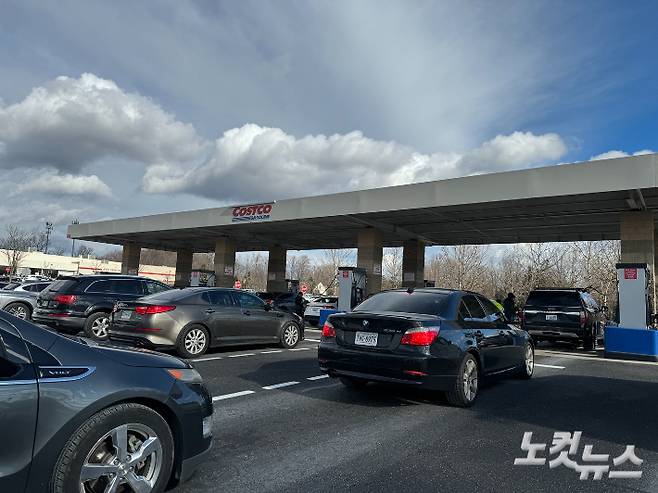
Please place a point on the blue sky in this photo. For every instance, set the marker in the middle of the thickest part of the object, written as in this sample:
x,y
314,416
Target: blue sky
x,y
170,105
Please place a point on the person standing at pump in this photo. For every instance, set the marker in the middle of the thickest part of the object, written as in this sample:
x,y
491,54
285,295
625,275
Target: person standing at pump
x,y
299,304
509,307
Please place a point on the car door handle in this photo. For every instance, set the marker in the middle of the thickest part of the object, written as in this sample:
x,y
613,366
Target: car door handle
x,y
479,333
210,310
247,312
502,332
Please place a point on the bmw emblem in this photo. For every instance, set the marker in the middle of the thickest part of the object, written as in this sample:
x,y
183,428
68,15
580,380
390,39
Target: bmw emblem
x,y
365,323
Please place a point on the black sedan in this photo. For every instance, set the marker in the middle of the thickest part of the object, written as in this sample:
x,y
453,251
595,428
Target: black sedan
x,y
78,417
436,338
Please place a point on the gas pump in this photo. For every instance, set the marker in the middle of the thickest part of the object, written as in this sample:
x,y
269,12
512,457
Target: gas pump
x,y
351,287
633,287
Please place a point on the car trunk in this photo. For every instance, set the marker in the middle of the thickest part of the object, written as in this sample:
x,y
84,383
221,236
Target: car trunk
x,y
47,299
373,332
553,310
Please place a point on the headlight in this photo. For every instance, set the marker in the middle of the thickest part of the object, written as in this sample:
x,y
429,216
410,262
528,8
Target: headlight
x,y
188,375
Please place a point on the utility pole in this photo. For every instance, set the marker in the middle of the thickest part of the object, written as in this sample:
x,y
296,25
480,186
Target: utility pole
x,y
49,229
75,221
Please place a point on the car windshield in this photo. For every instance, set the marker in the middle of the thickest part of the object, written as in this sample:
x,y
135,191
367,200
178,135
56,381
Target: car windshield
x,y
553,298
405,302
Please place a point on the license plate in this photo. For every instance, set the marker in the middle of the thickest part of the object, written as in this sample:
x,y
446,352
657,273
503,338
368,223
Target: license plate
x,y
551,317
366,338
125,315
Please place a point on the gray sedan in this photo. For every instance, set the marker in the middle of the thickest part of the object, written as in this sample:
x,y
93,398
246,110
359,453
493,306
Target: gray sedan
x,y
20,304
192,320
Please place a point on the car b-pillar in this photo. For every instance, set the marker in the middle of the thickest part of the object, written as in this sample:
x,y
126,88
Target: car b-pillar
x,y
276,270
224,263
130,258
369,257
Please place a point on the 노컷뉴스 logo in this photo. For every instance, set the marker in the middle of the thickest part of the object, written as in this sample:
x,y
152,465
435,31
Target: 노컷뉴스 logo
x,y
566,445
256,212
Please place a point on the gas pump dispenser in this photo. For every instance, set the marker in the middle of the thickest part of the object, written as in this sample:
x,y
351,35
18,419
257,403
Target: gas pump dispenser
x,y
633,286
351,287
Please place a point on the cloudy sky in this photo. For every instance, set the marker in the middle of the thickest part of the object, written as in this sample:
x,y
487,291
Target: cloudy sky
x,y
116,109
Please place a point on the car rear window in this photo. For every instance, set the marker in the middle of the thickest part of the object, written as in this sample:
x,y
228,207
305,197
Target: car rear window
x,y
61,285
404,302
553,298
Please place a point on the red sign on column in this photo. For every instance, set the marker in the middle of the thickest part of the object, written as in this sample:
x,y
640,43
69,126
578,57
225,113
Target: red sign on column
x,y
303,288
630,273
238,284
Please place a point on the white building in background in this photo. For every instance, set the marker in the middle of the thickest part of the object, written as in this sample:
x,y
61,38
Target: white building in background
x,y
54,265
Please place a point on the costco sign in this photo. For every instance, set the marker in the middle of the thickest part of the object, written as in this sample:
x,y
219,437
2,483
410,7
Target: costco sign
x,y
257,212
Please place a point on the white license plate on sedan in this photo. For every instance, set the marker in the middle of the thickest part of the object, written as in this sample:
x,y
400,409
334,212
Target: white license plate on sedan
x,y
125,315
366,338
551,317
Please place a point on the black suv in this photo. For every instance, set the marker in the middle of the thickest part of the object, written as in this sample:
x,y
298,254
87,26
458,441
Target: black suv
x,y
563,314
74,303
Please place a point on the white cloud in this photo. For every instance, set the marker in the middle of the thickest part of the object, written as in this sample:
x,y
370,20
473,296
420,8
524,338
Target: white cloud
x,y
66,184
69,123
39,212
254,163
618,154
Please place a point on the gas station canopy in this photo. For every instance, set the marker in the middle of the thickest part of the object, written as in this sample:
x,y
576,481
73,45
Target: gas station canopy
x,y
570,202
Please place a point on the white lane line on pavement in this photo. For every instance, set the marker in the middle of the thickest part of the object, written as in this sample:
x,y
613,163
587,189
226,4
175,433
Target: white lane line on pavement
x,y
241,355
231,396
300,349
273,351
550,366
318,377
279,385
595,358
313,340
210,358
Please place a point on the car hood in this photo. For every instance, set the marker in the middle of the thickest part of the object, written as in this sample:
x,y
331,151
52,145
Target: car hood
x,y
137,357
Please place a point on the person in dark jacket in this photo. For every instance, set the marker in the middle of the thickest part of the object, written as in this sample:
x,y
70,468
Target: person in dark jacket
x,y
509,307
299,304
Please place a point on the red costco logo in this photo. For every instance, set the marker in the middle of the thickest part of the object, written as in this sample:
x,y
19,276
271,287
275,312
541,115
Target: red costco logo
x,y
257,212
630,273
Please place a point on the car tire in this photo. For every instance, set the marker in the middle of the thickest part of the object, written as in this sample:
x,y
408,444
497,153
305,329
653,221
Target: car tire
x,y
97,326
94,443
353,383
193,341
19,310
290,335
528,368
465,389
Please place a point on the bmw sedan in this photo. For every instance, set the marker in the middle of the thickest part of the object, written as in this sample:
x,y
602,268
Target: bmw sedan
x,y
78,417
435,338
191,320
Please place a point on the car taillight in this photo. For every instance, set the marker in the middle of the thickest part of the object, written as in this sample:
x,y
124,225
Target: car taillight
x,y
422,336
65,299
153,309
328,330
583,319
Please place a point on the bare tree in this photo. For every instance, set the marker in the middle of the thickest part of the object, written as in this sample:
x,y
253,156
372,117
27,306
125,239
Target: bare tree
x,y
84,251
391,268
16,244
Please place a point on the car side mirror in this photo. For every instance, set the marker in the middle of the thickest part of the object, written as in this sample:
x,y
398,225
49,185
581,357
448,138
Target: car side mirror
x,y
267,307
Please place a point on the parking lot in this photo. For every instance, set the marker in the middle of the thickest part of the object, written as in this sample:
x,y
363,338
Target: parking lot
x,y
280,425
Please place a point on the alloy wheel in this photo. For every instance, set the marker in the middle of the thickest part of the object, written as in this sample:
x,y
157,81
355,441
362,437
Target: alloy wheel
x,y
291,335
127,458
470,380
529,360
18,311
195,341
99,327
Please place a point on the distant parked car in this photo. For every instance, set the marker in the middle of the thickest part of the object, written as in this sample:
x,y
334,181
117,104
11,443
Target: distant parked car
x,y
439,339
191,320
74,303
78,417
563,314
312,312
20,304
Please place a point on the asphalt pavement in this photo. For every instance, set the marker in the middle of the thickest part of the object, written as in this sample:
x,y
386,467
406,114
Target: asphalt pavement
x,y
281,425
